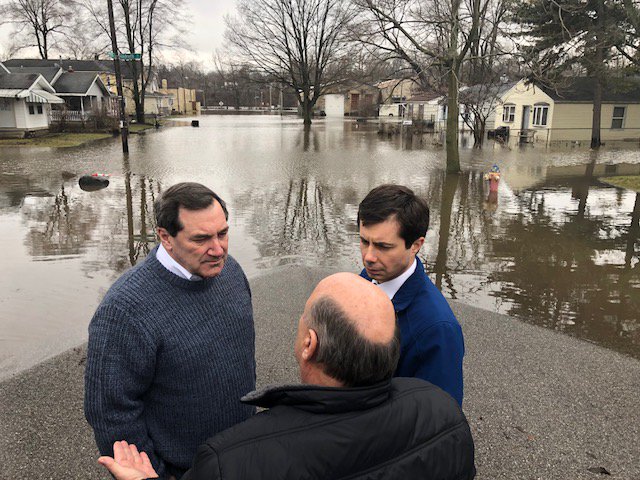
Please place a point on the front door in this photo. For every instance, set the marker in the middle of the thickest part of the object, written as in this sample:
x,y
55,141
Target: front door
x,y
525,117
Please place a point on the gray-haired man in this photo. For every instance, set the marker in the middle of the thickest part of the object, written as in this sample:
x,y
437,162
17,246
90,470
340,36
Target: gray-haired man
x,y
171,346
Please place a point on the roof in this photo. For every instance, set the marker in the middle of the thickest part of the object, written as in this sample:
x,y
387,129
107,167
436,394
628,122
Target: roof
x,y
107,66
75,82
424,97
580,89
48,73
20,85
480,93
394,82
18,81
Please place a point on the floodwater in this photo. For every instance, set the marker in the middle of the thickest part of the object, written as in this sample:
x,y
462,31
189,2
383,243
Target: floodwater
x,y
555,247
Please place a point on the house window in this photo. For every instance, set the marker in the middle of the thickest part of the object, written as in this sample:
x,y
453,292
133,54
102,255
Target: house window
x,y
540,113
5,106
32,110
508,113
39,109
618,117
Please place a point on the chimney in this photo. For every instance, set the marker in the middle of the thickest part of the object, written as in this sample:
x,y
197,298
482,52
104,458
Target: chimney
x,y
164,84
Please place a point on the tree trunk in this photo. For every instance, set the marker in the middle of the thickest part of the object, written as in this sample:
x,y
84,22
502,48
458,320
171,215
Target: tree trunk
x,y
596,140
449,187
478,132
307,109
453,157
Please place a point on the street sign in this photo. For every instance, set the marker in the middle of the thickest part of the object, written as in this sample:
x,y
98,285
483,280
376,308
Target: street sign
x,y
126,56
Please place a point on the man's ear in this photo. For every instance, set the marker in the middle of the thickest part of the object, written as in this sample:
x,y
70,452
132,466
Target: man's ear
x,y
164,237
417,245
310,345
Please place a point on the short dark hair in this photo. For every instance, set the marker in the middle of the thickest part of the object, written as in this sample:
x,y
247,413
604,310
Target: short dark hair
x,y
189,195
344,353
411,211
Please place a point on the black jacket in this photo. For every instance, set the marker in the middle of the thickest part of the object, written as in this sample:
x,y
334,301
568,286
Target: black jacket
x,y
403,429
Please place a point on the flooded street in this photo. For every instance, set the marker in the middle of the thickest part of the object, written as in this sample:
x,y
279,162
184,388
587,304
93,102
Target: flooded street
x,y
556,247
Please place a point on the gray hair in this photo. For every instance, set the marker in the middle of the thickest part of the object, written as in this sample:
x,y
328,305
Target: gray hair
x,y
189,195
344,353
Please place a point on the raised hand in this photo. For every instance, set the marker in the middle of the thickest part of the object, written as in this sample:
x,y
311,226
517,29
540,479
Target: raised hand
x,y
127,463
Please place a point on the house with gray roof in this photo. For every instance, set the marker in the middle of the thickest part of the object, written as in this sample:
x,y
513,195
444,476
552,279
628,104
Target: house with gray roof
x,y
536,113
25,103
104,68
84,92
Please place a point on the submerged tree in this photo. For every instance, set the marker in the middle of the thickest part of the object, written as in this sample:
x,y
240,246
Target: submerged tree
x,y
430,36
299,43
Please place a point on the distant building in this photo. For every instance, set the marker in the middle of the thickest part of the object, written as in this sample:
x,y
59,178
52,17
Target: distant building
x,y
398,90
183,100
351,101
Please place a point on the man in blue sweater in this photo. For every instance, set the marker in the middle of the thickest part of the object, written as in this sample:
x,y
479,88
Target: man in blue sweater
x,y
171,345
393,222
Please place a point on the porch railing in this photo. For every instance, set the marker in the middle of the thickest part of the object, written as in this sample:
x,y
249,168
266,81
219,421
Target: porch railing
x,y
69,116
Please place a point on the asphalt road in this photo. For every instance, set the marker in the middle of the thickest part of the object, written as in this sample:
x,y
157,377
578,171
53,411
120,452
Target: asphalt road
x,y
542,405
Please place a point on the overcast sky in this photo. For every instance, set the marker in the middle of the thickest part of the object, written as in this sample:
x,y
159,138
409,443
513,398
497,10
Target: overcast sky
x,y
206,26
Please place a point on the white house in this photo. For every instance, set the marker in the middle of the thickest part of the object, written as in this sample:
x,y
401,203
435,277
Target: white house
x,y
83,93
25,103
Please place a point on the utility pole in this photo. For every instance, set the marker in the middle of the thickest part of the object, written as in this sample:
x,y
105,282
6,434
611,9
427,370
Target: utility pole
x,y
124,128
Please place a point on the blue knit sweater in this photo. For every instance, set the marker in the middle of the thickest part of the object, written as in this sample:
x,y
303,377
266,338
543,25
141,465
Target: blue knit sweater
x,y
168,360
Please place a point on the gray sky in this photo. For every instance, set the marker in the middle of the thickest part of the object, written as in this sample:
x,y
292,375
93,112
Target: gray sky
x,y
206,25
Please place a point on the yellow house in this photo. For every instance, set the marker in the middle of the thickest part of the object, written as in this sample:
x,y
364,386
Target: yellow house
x,y
183,100
398,90
534,113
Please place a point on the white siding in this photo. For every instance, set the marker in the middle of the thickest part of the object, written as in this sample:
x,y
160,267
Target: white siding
x,y
31,121
7,115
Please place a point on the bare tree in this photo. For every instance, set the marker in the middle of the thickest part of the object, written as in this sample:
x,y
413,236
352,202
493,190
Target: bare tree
x,y
297,42
38,23
143,27
431,36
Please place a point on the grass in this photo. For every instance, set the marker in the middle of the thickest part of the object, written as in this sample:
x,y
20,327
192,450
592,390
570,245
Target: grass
x,y
57,140
139,127
630,182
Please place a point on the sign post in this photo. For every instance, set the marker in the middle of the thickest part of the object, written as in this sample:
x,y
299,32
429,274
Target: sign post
x,y
124,128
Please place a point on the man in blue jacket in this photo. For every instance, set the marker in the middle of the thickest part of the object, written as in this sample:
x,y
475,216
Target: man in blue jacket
x,y
393,222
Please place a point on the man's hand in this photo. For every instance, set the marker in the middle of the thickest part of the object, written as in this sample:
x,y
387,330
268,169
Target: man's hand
x,y
127,463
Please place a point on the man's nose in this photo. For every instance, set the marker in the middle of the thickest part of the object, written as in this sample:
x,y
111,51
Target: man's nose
x,y
370,255
215,248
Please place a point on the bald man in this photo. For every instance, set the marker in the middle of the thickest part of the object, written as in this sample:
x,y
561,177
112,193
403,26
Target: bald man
x,y
348,418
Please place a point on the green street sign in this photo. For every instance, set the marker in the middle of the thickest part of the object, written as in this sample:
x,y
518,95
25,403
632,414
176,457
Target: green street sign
x,y
126,56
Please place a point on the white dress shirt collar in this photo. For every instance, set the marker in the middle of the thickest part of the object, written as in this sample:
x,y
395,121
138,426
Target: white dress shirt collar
x,y
174,267
391,287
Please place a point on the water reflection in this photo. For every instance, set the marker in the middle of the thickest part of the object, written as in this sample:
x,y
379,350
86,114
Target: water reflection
x,y
553,245
301,220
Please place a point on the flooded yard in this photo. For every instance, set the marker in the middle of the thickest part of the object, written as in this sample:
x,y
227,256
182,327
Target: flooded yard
x,y
556,246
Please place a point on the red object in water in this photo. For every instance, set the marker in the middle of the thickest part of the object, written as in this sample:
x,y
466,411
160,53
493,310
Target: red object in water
x,y
494,180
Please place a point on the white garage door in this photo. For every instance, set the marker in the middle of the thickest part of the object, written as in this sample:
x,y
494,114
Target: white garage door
x,y
334,105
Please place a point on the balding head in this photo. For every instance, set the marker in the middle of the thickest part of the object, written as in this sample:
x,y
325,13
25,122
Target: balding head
x,y
347,332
